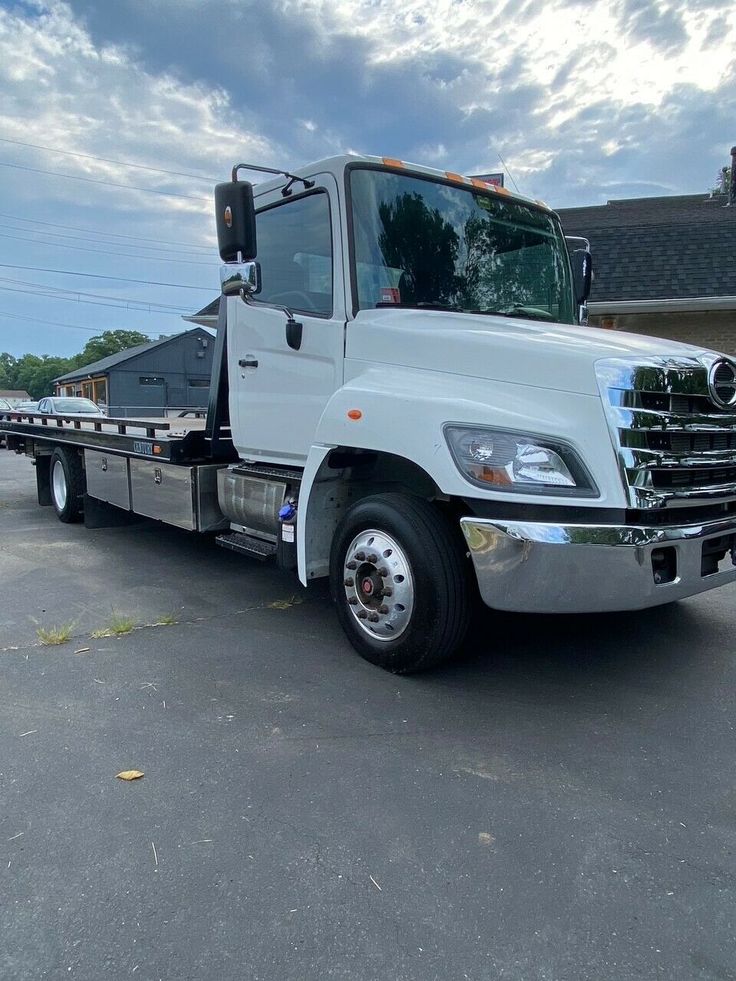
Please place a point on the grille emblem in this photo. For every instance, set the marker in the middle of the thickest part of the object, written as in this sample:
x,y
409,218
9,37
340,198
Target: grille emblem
x,y
722,383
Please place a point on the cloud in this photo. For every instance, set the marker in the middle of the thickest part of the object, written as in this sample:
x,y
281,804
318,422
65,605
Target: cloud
x,y
61,89
583,100
656,23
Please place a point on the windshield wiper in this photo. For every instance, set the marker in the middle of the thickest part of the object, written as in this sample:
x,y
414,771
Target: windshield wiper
x,y
447,307
529,313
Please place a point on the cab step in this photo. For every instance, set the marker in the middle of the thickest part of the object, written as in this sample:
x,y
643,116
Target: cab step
x,y
238,541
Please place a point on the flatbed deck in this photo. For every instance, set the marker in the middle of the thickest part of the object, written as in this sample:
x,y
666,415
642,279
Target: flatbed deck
x,y
177,440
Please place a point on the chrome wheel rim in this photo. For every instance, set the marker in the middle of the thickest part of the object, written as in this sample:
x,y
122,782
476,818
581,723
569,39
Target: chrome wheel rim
x,y
379,585
58,483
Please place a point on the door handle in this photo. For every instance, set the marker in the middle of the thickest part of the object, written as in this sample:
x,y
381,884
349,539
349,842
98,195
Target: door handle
x,y
248,362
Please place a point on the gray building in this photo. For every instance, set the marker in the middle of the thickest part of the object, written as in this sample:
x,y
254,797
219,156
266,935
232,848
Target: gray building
x,y
148,380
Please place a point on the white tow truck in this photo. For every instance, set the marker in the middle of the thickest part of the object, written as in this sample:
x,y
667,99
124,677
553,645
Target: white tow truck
x,y
404,399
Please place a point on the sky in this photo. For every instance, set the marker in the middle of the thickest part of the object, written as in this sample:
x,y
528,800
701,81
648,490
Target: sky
x,y
117,117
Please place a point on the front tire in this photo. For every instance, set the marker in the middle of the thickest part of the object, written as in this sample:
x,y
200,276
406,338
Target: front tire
x,y
66,477
399,580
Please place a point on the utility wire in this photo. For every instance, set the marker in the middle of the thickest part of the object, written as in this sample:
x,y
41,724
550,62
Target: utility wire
x,y
121,163
93,180
48,290
105,239
93,231
55,323
120,279
122,302
120,255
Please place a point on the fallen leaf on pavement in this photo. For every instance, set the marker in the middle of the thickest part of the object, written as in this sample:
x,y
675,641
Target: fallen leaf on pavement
x,y
129,775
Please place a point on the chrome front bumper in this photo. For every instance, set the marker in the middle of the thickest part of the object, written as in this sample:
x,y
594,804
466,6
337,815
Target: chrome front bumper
x,y
546,568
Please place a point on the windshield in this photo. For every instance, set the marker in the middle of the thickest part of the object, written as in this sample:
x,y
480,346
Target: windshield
x,y
75,405
423,243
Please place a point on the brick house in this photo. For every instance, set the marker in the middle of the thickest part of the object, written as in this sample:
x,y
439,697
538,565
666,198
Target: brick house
x,y
663,266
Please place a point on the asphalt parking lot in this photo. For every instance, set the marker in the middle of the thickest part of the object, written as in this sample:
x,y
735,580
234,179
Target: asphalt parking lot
x,y
560,803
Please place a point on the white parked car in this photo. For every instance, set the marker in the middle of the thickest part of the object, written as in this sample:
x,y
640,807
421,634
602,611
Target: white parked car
x,y
65,406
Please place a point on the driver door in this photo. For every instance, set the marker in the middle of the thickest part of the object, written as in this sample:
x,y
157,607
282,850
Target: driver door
x,y
277,392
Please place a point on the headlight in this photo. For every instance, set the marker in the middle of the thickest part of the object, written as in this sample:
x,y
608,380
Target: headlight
x,y
522,462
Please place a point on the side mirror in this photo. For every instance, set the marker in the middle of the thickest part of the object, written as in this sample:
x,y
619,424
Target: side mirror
x,y
240,279
235,215
582,274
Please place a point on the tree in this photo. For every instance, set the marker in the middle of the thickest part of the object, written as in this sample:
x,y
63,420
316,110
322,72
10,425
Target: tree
x,y
8,370
35,374
107,343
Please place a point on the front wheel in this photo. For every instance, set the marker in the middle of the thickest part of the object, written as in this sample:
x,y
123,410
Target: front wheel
x,y
400,582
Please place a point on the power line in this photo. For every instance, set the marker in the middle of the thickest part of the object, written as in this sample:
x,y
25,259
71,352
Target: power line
x,y
93,231
121,163
93,180
124,303
120,255
105,240
120,279
55,323
48,290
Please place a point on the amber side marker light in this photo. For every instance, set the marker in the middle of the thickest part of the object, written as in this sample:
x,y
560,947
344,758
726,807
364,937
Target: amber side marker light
x,y
393,162
355,414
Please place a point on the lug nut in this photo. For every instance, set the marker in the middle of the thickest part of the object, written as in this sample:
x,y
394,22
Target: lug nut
x,y
383,609
352,566
383,572
388,591
350,581
360,556
372,558
373,618
353,600
362,615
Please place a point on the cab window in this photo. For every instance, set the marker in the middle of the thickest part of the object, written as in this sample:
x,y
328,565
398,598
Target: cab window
x,y
295,254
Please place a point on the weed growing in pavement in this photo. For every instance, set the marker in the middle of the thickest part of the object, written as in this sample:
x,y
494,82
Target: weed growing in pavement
x,y
52,636
117,626
167,620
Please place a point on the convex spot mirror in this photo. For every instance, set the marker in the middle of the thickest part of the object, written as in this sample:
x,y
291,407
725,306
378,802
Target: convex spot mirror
x,y
235,215
240,278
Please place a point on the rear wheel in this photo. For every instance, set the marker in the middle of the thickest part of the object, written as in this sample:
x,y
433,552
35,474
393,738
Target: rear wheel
x,y
66,477
400,582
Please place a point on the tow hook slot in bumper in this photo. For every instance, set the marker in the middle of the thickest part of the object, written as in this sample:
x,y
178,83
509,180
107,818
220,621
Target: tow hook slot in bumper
x,y
537,567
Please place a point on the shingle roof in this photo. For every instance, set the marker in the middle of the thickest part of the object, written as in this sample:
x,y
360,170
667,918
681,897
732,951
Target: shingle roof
x,y
112,360
658,248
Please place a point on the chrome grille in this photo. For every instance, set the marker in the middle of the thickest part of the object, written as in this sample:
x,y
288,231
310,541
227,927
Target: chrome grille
x,y
674,443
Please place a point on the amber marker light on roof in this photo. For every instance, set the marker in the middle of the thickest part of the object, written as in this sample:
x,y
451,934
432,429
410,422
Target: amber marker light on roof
x,y
454,177
355,414
391,162
483,185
